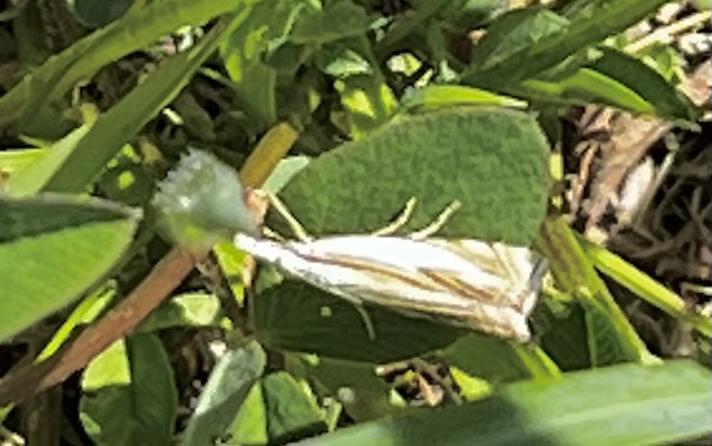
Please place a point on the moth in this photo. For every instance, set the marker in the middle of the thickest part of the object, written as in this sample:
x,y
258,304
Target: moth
x,y
490,287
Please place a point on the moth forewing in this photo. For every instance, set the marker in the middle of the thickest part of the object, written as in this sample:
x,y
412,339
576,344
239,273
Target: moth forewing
x,y
467,282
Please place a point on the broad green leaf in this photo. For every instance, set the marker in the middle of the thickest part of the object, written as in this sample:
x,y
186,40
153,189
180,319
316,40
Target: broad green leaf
x,y
185,310
116,126
54,249
223,395
291,411
627,405
33,98
493,161
129,394
605,18
297,317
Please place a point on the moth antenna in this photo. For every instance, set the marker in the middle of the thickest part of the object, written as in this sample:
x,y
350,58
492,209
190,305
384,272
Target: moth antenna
x,y
367,321
438,223
400,221
297,229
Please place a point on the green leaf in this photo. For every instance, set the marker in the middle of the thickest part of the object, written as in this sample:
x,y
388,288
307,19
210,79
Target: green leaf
x,y
368,99
291,411
94,14
624,405
436,96
54,249
16,160
493,161
224,394
33,99
338,19
129,394
39,172
610,336
498,360
295,316
265,29
364,395
340,61
250,425
185,310
646,82
605,18
123,121
513,32
582,87
85,312
616,79
563,334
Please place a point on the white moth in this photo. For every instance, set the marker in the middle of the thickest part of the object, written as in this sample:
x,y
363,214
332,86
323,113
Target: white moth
x,y
489,287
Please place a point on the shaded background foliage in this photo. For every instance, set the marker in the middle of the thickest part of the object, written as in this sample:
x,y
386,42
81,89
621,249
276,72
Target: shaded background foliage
x,y
570,125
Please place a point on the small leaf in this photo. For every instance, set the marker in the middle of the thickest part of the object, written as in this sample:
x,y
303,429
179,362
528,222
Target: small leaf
x,y
129,394
224,394
335,21
52,250
495,359
185,310
435,96
291,412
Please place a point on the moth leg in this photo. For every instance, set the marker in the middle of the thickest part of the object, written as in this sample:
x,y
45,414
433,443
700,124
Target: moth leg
x,y
400,221
269,233
296,227
438,223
